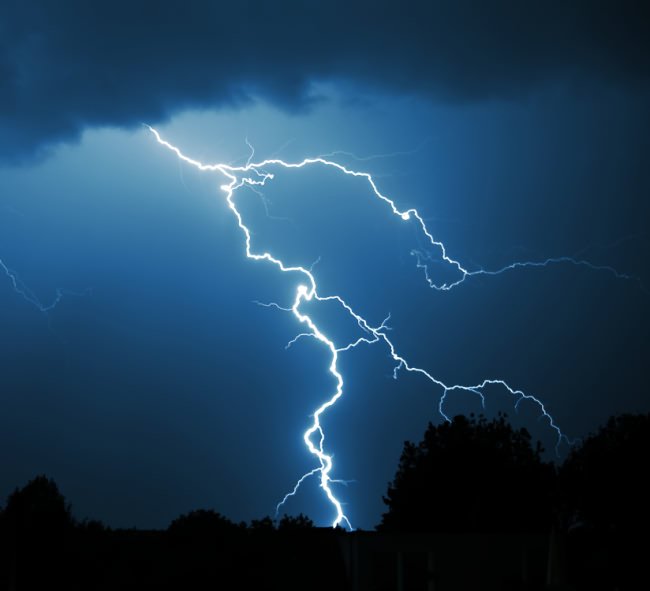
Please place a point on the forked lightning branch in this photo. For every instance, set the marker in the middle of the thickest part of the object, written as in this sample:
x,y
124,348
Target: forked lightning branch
x,y
255,175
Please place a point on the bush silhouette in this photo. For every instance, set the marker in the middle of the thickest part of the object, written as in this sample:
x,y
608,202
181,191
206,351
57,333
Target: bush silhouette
x,y
202,524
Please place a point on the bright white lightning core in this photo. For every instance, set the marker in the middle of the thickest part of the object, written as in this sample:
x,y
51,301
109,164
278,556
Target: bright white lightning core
x,y
253,175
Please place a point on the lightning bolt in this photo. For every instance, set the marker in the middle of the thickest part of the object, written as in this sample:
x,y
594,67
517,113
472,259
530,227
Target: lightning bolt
x,y
29,296
255,175
465,274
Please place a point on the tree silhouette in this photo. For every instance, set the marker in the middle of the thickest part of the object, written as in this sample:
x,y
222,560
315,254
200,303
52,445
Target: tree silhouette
x,y
38,507
36,526
604,481
471,475
605,491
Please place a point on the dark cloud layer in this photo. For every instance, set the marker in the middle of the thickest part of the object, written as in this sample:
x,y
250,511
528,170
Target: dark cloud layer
x,y
71,64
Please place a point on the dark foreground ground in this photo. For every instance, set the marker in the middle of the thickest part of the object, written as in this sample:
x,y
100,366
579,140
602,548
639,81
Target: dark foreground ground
x,y
90,557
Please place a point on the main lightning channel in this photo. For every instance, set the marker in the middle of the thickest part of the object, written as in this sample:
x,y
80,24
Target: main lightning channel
x,y
254,175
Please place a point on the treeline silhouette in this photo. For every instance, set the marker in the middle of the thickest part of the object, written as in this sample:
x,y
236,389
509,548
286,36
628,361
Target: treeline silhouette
x,y
474,475
43,546
466,477
479,475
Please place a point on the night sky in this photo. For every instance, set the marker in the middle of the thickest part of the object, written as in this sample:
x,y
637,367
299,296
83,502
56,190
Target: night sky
x,y
156,385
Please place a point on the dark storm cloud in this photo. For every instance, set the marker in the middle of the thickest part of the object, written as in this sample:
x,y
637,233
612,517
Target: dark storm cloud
x,y
71,64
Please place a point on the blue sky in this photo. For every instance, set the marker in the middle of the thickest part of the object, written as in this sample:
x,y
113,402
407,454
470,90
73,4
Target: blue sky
x,y
166,388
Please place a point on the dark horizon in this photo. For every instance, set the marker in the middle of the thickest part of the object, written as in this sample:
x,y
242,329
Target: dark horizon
x,y
574,528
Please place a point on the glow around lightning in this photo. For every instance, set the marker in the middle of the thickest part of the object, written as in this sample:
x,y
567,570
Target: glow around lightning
x,y
255,175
